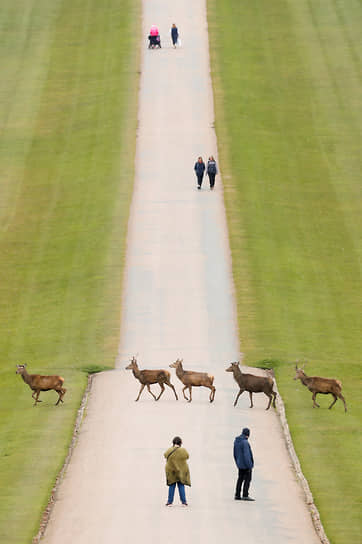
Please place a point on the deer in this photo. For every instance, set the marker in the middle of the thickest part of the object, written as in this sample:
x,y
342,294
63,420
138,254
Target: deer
x,y
39,383
192,379
252,384
324,386
148,377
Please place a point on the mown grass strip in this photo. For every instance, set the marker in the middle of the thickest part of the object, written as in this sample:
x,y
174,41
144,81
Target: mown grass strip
x,y
68,111
287,88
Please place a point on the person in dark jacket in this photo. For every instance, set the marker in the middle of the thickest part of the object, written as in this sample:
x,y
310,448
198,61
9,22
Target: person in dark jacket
x,y
199,169
211,171
244,461
174,35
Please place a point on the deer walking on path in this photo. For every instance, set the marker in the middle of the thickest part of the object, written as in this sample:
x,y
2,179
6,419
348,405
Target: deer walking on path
x,y
324,386
38,383
252,384
148,377
192,379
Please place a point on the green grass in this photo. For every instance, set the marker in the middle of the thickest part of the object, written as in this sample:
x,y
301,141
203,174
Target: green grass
x,y
68,112
288,98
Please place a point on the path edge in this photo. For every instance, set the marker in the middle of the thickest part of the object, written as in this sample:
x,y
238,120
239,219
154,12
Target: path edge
x,y
313,510
53,495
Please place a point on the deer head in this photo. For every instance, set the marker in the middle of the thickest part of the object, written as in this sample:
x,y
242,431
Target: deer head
x,y
20,369
233,366
299,372
133,364
177,363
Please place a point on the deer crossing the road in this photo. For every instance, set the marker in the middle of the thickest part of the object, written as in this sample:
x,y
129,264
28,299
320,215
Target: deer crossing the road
x,y
252,384
149,377
192,379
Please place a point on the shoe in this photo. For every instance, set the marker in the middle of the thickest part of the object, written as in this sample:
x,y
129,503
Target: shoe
x,y
168,504
184,504
237,498
199,186
247,499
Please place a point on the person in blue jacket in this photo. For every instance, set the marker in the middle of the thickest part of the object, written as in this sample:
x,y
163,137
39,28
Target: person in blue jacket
x,y
174,35
245,462
199,170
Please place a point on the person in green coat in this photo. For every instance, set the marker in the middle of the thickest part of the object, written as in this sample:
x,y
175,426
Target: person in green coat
x,y
177,471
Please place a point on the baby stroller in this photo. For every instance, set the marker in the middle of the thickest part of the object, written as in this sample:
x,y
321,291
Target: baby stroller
x,y
154,41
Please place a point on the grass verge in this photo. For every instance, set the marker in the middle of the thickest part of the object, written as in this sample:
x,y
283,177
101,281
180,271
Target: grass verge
x,y
68,115
288,100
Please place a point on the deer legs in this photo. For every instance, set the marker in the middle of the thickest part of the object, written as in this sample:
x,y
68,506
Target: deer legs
x,y
190,390
149,390
315,404
189,387
161,392
36,398
61,394
340,396
173,389
212,394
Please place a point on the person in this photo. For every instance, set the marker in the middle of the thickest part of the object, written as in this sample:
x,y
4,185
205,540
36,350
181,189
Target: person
x,y
177,471
244,461
199,169
154,30
174,35
211,171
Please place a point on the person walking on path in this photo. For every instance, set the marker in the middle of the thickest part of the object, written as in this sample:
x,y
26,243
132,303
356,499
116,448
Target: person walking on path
x,y
244,461
177,471
211,171
174,35
199,169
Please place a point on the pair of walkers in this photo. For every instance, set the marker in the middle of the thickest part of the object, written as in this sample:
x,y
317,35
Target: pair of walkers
x,y
211,171
178,473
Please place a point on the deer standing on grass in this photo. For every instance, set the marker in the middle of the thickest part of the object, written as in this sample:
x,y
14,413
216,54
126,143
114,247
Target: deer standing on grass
x,y
38,383
148,377
192,379
252,384
323,386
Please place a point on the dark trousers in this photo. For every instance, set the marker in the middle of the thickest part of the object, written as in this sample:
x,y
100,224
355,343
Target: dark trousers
x,y
199,179
212,179
244,476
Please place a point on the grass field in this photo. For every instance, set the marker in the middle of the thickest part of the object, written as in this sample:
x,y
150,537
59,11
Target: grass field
x,y
288,96
68,115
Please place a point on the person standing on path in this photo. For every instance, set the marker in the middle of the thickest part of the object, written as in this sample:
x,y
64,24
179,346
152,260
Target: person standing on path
x,y
199,169
177,471
211,171
174,35
244,461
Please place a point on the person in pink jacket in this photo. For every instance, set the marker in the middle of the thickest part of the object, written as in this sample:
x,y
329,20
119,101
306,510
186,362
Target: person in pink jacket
x,y
154,38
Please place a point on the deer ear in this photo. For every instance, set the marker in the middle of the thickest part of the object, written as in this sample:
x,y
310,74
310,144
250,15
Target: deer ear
x,y
238,363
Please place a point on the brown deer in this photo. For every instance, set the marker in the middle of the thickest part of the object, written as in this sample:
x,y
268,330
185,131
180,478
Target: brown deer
x,y
252,384
148,377
38,383
324,386
192,379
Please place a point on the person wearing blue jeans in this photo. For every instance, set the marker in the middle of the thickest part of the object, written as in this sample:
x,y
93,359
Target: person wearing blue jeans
x,y
181,491
177,471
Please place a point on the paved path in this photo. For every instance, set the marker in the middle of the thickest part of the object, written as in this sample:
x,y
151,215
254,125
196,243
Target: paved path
x,y
177,302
